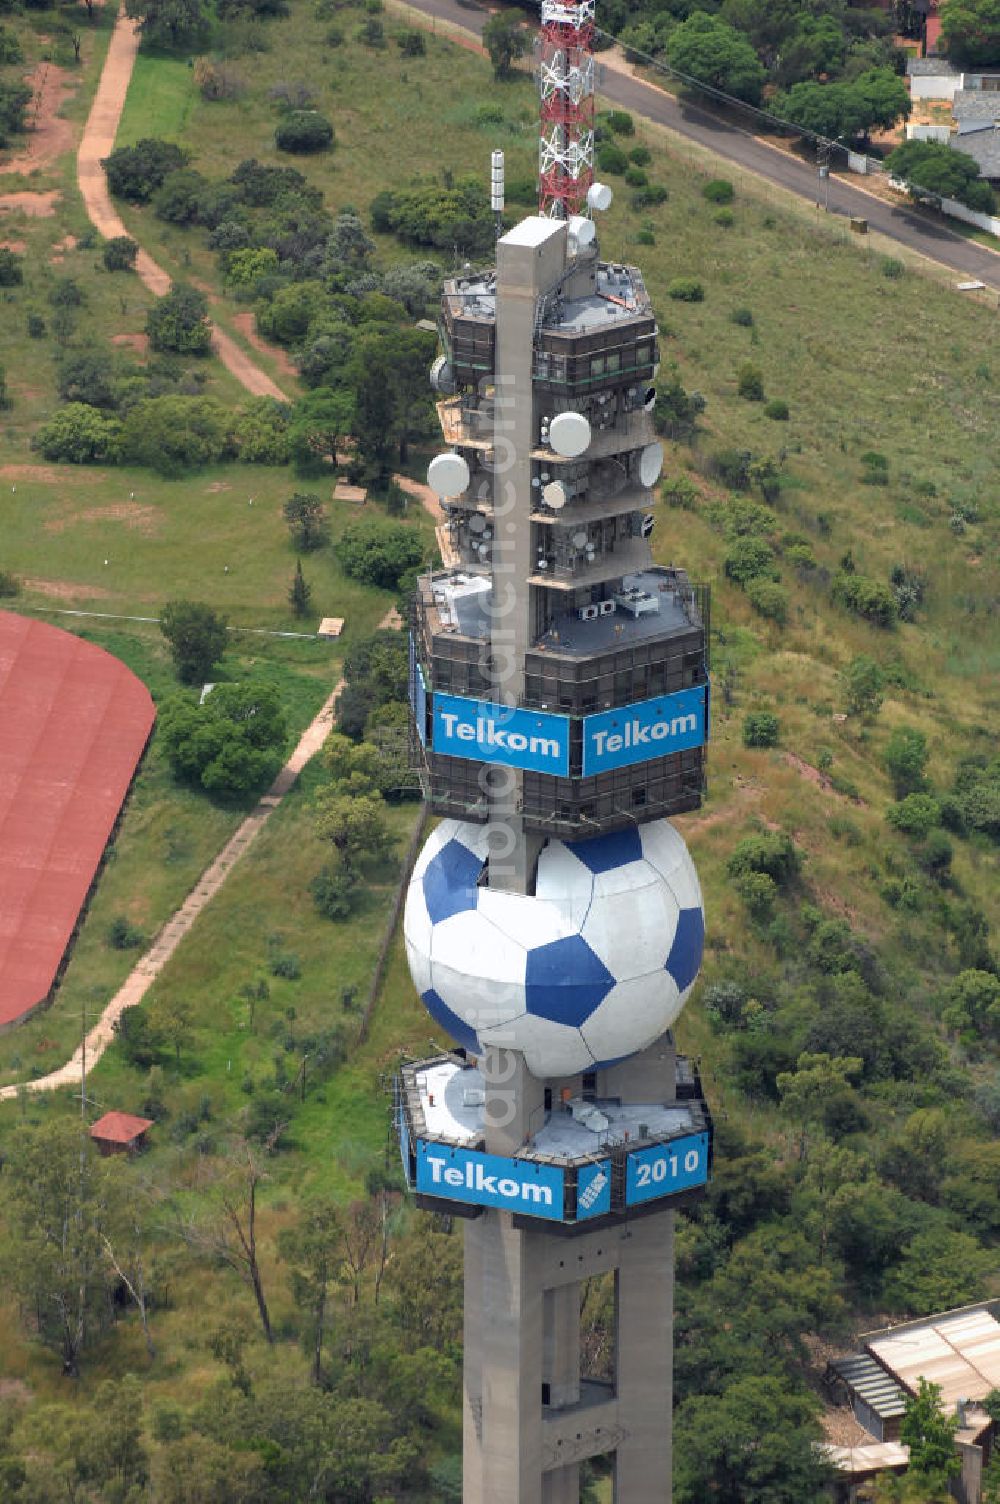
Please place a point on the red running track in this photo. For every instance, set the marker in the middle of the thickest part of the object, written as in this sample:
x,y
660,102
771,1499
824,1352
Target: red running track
x,y
73,725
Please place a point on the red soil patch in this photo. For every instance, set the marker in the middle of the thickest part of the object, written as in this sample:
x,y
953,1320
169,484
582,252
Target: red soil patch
x,y
61,591
17,246
49,136
144,519
137,342
217,486
244,323
34,205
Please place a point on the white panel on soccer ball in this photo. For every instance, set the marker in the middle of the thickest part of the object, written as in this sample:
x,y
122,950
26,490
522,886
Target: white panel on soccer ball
x,y
663,847
418,958
633,1014
477,971
549,1049
686,887
529,921
632,932
563,877
624,879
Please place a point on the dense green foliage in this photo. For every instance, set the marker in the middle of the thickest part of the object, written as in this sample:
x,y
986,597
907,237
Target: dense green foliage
x,y
197,638
932,169
230,744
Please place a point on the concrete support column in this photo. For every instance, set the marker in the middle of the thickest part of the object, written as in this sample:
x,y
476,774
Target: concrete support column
x,y
561,1363
644,1341
473,1483
562,1485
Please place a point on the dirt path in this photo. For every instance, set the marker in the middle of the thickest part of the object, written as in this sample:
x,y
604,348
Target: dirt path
x,y
98,141
144,973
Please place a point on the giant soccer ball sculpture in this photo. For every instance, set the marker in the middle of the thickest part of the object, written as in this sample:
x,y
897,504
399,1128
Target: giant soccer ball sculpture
x,y
593,967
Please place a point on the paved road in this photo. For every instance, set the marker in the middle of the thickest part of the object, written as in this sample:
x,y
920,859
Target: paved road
x,y
908,226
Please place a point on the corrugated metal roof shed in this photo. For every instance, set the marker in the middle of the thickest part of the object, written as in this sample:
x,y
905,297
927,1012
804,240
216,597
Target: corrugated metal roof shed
x,y
860,1461
961,1353
865,1378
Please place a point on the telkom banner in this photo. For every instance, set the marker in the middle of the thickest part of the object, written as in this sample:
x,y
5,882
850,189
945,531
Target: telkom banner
x,y
649,728
512,1185
531,739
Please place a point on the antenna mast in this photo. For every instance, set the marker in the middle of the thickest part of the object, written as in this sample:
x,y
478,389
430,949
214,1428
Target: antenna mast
x,y
566,83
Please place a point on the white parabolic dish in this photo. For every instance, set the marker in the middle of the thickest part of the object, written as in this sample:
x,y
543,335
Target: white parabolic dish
x,y
448,474
554,495
569,434
650,464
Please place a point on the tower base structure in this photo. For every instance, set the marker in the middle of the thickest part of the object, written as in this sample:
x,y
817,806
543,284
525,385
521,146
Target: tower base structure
x,y
593,1191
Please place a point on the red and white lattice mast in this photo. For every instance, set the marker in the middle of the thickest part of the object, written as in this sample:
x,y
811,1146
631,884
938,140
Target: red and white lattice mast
x,y
566,79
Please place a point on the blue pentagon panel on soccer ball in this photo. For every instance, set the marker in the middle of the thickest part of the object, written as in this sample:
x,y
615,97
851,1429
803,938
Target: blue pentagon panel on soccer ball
x,y
450,881
684,960
601,853
565,981
442,1014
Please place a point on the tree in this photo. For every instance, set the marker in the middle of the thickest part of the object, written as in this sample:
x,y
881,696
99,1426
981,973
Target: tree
x,y
934,170
970,31
260,432
864,685
79,435
882,98
709,51
135,172
11,267
320,422
300,591
378,553
506,39
816,1086
171,1017
355,824
373,408
175,434
754,1443
304,131
88,375
930,1436
179,322
305,515
312,1250
233,743
62,1199
197,638
973,1002
904,759
15,98
176,22
230,1236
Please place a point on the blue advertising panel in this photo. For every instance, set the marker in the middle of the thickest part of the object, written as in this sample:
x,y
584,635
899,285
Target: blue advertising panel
x,y
510,1185
531,739
649,728
666,1168
593,1190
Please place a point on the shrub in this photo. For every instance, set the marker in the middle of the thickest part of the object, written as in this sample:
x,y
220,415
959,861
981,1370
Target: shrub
x,y
620,122
758,891
334,36
875,469
66,293
119,254
719,191
79,434
761,728
650,197
742,316
891,267
10,47
11,268
724,217
732,466
641,156
770,851
916,815
36,326
645,236
10,585
412,44
904,759
371,33
122,934
175,434
135,172
770,599
304,131
216,80
867,598
777,409
285,963
334,890
635,177
747,559
379,553
935,854
750,382
686,290
260,432
178,197
611,158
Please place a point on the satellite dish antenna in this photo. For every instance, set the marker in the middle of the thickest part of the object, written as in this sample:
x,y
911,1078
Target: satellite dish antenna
x,y
650,464
648,523
554,495
579,540
569,434
581,229
649,400
477,524
599,196
442,377
448,474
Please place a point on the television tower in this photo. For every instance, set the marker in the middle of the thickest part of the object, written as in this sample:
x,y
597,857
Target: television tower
x,y
554,923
